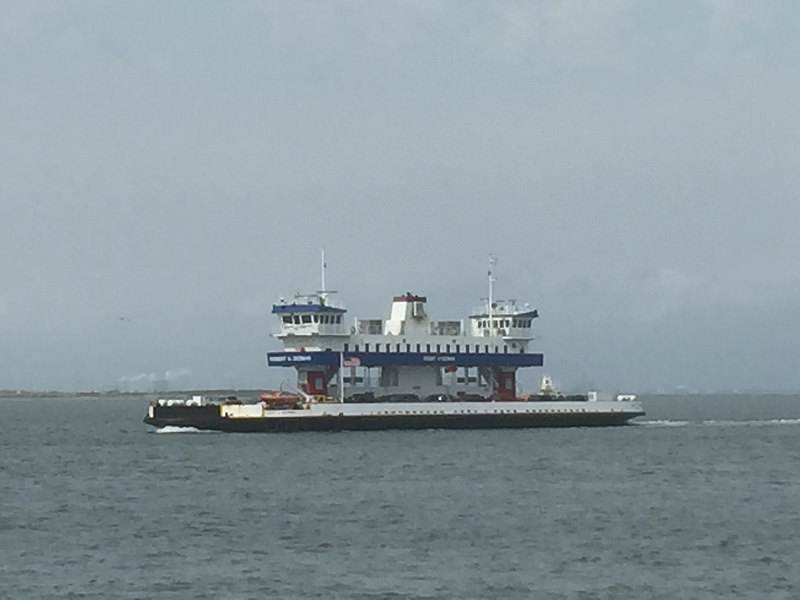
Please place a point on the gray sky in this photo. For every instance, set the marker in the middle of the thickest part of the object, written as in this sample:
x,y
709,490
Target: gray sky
x,y
169,169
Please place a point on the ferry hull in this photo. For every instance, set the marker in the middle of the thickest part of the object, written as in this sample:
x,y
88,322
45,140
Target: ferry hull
x,y
206,418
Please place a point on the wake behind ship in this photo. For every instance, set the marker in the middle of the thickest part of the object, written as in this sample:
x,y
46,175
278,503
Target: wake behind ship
x,y
404,372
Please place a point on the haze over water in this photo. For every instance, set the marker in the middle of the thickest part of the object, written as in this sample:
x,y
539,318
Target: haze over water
x,y
170,169
697,500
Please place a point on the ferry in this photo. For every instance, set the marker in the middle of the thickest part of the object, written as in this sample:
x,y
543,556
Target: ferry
x,y
406,371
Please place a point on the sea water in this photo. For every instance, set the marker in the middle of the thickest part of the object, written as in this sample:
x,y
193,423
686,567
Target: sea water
x,y
699,499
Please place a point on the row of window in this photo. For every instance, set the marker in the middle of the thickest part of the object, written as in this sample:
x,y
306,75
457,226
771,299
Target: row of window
x,y
501,411
324,319
485,323
429,348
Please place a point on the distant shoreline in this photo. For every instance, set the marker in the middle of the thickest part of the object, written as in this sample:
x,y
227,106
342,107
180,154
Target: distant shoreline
x,y
245,393
120,394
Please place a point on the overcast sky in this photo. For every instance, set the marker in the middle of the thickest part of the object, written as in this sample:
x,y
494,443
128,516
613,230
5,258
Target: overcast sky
x,y
170,169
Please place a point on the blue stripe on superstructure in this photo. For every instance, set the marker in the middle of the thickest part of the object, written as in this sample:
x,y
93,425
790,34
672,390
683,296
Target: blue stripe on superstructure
x,y
305,308
377,359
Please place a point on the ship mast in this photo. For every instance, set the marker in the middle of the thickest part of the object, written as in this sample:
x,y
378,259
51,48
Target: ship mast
x,y
492,263
323,267
323,291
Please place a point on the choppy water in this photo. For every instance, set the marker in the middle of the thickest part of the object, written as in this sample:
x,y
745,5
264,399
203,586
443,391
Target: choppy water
x,y
699,500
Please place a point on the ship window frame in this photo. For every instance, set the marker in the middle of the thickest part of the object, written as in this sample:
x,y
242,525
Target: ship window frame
x,y
418,347
366,347
306,319
287,319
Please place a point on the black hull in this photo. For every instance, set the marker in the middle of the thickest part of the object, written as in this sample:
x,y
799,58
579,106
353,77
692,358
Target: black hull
x,y
207,418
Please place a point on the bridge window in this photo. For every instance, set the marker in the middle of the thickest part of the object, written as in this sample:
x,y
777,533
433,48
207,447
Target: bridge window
x,y
297,319
427,347
346,347
447,348
418,347
458,349
306,318
377,347
287,319
466,348
438,347
356,348
408,347
366,347
397,348
316,318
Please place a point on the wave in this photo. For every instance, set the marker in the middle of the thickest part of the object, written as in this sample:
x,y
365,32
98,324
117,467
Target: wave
x,y
717,423
176,429
662,423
